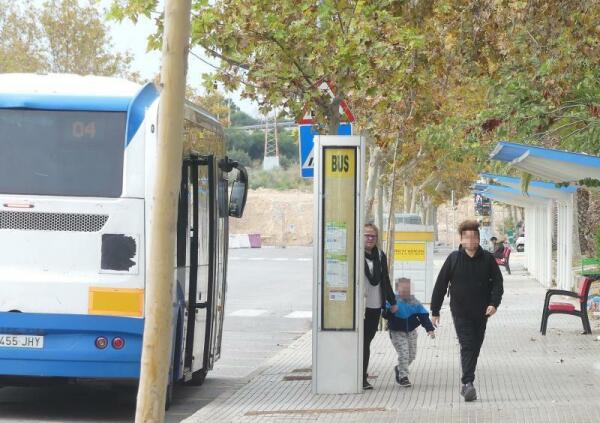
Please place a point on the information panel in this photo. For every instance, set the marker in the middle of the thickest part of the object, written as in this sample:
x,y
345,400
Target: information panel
x,y
339,218
409,251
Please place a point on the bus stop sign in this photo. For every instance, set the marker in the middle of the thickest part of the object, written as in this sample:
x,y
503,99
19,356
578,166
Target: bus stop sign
x,y
306,134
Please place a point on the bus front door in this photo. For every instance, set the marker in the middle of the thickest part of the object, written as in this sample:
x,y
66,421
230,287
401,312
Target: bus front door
x,y
198,201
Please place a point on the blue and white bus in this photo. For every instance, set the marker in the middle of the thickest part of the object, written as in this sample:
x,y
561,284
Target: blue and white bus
x,y
77,169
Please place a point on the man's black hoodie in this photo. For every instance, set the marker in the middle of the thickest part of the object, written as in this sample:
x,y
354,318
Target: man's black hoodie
x,y
475,283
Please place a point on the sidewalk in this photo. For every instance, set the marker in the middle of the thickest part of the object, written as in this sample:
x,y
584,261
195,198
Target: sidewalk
x,y
521,376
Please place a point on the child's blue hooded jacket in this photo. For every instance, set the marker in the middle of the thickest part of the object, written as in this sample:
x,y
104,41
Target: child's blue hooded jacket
x,y
409,316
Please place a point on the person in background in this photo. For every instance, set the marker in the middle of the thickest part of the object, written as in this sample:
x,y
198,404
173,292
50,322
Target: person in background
x,y
497,247
403,325
476,289
378,290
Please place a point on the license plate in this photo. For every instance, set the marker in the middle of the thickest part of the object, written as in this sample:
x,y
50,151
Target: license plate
x,y
21,341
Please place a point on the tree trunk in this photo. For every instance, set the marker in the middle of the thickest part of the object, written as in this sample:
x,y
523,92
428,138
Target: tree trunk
x,y
376,155
434,217
391,216
513,213
391,232
583,205
387,195
413,200
521,214
425,210
379,210
157,342
333,116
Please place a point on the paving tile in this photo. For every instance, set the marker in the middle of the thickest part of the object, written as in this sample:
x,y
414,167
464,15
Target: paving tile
x,y
521,376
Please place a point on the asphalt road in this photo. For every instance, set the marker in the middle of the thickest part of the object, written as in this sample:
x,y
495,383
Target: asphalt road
x,y
267,307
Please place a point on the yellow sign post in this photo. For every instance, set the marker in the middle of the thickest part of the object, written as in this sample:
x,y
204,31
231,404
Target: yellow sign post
x,y
413,258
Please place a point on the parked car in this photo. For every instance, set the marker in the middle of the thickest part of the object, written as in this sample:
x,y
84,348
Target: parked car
x,y
520,243
410,218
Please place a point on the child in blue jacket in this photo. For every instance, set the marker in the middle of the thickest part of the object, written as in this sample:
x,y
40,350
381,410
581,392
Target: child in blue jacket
x,y
403,326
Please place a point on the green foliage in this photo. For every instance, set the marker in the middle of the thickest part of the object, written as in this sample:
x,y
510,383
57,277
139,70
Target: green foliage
x,y
240,156
20,50
59,36
589,182
545,78
526,179
442,81
239,118
288,146
278,51
280,179
253,144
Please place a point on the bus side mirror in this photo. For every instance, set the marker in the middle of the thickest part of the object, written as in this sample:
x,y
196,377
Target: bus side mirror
x,y
239,188
237,200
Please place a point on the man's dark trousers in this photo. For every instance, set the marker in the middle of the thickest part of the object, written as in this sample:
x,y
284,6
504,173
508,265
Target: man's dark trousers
x,y
370,329
470,333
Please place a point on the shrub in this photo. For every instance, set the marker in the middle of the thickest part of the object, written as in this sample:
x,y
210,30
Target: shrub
x,y
279,179
240,156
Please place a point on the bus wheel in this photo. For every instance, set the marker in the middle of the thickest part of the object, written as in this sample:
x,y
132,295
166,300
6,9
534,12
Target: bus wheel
x,y
198,377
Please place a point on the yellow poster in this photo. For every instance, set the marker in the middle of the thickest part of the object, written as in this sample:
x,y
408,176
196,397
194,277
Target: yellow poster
x,y
409,251
339,217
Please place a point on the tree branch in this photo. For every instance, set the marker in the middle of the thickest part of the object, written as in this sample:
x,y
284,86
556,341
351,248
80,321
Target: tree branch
x,y
224,58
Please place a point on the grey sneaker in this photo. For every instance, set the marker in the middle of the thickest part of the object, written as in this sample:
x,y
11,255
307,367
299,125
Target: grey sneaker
x,y
404,382
366,385
468,392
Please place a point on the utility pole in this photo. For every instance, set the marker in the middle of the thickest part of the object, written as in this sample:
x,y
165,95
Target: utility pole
x,y
156,349
271,156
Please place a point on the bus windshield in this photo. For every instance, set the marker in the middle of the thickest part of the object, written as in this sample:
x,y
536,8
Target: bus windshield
x,y
67,153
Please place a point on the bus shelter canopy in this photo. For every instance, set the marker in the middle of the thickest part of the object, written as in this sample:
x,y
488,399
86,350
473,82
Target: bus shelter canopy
x,y
536,188
553,165
510,196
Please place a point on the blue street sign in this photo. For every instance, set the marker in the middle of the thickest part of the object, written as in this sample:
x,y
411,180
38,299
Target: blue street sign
x,y
307,142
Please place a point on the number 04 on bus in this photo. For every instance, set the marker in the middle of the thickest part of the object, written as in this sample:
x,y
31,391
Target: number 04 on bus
x,y
77,170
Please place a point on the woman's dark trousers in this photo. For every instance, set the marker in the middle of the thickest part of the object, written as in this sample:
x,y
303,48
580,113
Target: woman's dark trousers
x,y
370,329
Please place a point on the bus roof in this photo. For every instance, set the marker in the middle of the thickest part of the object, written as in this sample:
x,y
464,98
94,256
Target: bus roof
x,y
67,84
55,91
66,92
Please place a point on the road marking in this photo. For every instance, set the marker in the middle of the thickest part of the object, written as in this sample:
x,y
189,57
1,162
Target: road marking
x,y
299,315
248,313
269,258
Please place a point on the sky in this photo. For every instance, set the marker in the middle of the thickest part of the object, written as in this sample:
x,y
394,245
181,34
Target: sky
x,y
133,38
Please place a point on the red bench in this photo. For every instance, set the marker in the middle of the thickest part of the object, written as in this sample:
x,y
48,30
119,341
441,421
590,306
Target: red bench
x,y
568,308
504,261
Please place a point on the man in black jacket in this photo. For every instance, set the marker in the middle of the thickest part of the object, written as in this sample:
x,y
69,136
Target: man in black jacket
x,y
378,289
476,289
